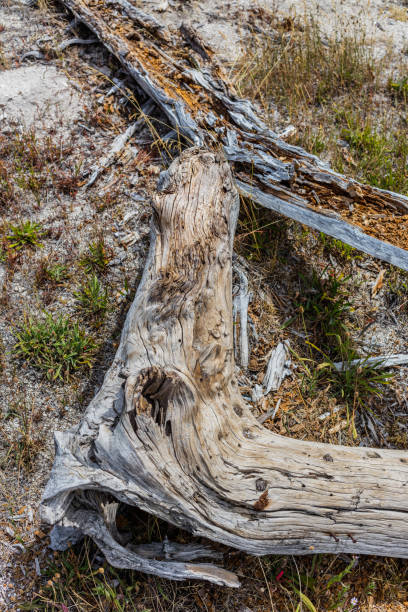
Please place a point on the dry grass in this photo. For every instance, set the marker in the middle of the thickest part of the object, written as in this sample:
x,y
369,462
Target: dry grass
x,y
298,67
338,94
399,13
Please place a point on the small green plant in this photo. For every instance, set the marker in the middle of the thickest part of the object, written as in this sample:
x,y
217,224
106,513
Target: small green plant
x,y
353,383
342,251
54,274
92,297
97,257
57,272
324,306
399,88
28,233
55,345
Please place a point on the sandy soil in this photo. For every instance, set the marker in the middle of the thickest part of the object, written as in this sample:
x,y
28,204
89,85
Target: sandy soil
x,y
224,24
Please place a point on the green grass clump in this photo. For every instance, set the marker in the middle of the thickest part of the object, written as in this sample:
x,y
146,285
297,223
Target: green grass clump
x,y
92,297
379,153
324,306
57,272
356,382
324,309
28,234
342,251
55,345
97,257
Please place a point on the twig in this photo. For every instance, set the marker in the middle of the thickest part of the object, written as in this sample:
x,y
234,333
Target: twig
x,y
376,362
76,41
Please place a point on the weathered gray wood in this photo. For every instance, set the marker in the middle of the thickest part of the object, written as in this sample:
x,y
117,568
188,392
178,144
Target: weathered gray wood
x,y
277,367
386,361
240,315
202,107
169,432
329,224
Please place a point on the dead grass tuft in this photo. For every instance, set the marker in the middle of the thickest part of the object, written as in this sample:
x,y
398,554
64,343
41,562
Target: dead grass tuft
x,y
298,66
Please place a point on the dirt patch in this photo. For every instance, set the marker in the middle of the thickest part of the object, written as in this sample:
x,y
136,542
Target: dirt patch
x,y
38,94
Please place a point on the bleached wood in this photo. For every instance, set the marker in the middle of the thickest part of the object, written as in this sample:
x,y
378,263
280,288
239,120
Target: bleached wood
x,y
240,315
388,361
277,366
118,145
169,432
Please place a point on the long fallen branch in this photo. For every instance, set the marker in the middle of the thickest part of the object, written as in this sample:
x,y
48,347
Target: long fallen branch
x,y
183,78
169,432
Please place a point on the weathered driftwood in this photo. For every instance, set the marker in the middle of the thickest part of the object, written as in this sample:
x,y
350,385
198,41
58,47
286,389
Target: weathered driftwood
x,y
388,361
240,316
169,432
181,75
277,368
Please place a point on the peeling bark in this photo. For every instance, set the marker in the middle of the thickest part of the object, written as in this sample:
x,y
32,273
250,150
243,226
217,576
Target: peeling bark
x,y
169,432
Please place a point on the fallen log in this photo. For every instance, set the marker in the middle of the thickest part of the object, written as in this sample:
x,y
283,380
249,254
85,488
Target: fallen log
x,y
169,432
180,73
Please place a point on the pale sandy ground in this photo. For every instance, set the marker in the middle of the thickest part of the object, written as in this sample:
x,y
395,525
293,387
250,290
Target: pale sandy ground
x,y
223,24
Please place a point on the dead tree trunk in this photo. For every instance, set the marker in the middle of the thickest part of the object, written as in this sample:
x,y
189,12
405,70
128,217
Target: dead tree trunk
x,y
169,432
